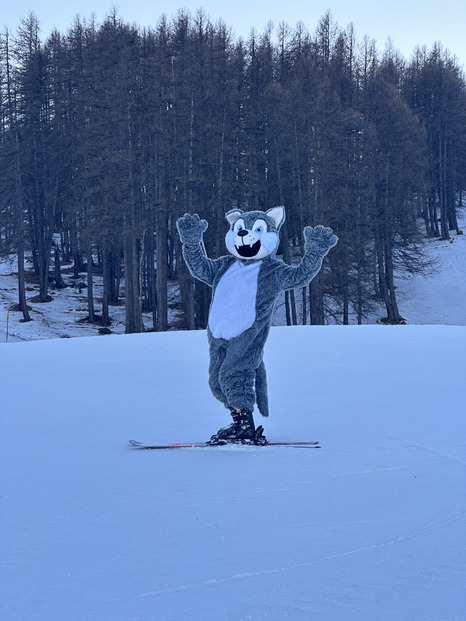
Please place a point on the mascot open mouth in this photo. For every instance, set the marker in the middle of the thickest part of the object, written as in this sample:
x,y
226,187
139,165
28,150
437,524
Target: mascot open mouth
x,y
248,251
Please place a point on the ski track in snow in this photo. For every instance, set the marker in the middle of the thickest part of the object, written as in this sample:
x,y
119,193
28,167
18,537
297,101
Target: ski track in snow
x,y
430,450
330,557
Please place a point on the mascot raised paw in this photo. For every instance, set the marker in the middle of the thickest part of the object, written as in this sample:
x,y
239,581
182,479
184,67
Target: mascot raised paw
x,y
246,284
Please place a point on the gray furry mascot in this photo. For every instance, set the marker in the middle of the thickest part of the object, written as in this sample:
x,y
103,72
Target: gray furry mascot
x,y
246,285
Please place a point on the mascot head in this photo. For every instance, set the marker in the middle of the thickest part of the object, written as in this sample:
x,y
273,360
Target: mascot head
x,y
254,234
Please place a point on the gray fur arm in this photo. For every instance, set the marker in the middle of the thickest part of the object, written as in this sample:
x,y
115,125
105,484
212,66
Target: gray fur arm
x,y
317,242
199,265
191,229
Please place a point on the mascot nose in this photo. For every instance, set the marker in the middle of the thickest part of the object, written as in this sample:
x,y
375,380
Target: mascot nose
x,y
242,233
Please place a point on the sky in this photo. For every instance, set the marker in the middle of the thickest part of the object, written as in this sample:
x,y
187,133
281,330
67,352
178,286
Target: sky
x,y
407,23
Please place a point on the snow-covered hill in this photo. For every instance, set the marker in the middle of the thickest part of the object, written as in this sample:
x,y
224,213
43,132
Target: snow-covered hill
x,y
368,528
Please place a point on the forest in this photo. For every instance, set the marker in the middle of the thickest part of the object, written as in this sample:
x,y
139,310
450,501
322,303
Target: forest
x,y
109,132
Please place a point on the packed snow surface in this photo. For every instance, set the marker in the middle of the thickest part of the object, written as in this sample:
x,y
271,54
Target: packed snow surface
x,y
368,527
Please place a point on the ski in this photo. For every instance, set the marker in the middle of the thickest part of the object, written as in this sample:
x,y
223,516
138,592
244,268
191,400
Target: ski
x,y
141,445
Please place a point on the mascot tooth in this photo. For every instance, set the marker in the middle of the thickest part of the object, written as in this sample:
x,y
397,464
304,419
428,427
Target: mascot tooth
x,y
246,284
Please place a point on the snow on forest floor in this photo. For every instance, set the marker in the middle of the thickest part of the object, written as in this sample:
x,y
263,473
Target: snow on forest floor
x,y
369,527
439,299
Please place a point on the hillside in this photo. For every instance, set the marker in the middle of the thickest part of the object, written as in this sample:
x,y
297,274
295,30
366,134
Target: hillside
x,y
369,527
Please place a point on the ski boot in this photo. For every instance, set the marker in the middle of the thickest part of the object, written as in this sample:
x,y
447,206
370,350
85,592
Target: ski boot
x,y
241,431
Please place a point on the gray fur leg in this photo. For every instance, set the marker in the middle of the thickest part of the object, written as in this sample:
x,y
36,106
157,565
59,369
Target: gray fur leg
x,y
237,375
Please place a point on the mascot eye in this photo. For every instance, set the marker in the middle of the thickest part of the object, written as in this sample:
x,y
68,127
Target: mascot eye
x,y
259,229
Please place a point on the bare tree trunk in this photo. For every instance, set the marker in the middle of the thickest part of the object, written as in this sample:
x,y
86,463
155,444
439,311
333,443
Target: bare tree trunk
x,y
316,302
19,209
22,302
59,282
133,308
105,285
301,213
161,276
90,285
289,296
443,189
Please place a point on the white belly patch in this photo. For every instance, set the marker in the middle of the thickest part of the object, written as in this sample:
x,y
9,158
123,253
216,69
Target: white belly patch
x,y
233,308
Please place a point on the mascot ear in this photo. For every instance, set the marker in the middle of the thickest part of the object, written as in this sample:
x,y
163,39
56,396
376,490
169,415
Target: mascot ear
x,y
233,215
278,215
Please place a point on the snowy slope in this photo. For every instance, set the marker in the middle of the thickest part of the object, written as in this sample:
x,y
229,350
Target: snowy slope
x,y
369,527
438,299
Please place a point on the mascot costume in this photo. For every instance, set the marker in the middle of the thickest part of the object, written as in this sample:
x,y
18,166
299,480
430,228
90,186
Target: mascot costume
x,y
246,285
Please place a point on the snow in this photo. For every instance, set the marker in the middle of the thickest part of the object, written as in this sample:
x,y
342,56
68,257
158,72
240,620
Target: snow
x,y
370,527
439,299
